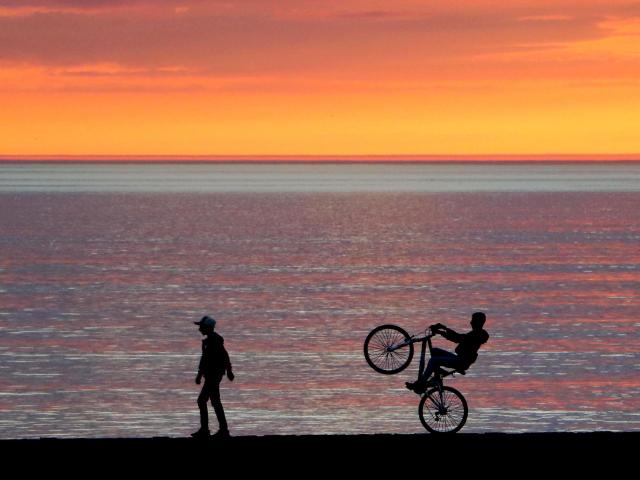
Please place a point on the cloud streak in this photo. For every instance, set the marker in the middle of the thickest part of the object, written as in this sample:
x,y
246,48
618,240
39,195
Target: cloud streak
x,y
360,41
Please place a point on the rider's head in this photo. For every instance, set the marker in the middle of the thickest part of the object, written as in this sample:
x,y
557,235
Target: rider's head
x,y
477,320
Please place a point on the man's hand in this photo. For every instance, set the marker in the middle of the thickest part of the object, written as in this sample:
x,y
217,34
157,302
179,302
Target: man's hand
x,y
230,375
437,328
198,378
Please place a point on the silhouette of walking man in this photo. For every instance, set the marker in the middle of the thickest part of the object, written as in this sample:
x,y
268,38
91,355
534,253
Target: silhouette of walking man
x,y
466,352
214,363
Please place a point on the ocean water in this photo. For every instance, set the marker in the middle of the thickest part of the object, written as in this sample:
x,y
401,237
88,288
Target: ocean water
x,y
103,269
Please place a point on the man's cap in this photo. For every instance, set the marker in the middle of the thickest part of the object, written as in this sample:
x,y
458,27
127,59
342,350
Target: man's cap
x,y
207,321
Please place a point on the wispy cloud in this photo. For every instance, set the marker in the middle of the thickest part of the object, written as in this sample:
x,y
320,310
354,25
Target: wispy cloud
x,y
356,40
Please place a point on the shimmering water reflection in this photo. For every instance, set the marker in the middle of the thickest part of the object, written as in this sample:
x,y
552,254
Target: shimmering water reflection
x,y
98,291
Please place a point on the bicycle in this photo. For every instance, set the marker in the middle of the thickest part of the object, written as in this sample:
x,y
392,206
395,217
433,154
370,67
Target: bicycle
x,y
389,349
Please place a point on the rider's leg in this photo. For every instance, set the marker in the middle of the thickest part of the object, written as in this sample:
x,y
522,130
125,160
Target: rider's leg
x,y
439,358
420,385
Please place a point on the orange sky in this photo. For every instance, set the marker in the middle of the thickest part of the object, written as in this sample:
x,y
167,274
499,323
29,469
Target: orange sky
x,y
331,77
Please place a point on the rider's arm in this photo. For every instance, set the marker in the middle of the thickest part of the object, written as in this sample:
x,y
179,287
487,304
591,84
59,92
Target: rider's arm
x,y
451,335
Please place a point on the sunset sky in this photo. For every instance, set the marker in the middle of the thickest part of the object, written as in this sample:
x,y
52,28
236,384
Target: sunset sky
x,y
319,77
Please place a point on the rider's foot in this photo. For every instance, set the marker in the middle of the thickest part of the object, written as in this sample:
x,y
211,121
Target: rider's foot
x,y
221,434
421,386
202,433
417,387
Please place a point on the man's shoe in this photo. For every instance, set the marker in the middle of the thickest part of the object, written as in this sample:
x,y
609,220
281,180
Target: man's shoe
x,y
201,434
221,434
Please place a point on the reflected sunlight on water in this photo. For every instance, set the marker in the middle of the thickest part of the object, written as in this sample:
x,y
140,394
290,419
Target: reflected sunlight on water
x,y
98,291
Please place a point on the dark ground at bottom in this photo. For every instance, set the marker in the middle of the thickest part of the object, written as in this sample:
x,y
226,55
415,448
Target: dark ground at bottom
x,y
304,456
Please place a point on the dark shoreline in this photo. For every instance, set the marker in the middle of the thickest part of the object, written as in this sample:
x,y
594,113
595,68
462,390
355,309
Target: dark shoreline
x,y
329,456
551,443
544,441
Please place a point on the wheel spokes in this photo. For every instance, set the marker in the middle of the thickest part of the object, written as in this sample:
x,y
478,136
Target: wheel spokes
x,y
443,411
379,349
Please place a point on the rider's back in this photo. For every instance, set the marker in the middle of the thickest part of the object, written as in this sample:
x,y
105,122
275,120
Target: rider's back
x,y
468,345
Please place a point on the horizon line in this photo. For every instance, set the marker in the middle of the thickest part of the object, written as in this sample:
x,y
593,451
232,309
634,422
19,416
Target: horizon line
x,y
310,158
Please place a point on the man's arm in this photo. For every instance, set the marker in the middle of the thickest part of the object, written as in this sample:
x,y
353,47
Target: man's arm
x,y
199,375
200,368
227,364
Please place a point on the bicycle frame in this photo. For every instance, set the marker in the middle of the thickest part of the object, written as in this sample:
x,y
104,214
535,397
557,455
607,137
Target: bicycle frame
x,y
426,340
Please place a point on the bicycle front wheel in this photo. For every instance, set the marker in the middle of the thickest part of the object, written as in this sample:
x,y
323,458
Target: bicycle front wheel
x,y
388,349
443,411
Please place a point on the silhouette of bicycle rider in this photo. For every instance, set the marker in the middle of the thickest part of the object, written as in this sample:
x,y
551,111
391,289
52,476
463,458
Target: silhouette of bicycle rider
x,y
213,365
466,351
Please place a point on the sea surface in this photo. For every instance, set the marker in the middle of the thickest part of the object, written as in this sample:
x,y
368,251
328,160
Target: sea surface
x,y
103,269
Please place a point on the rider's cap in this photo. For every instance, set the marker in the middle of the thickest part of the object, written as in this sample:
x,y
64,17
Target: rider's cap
x,y
207,321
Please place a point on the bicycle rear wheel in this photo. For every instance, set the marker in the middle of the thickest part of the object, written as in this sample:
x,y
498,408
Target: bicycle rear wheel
x,y
444,412
380,353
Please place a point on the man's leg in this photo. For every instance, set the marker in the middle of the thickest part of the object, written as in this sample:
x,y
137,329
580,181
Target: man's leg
x,y
217,405
203,398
